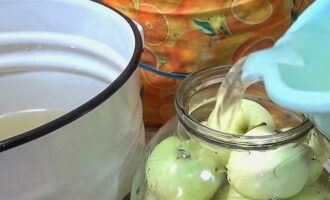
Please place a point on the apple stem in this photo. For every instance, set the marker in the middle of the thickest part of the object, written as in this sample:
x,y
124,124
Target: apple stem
x,y
261,124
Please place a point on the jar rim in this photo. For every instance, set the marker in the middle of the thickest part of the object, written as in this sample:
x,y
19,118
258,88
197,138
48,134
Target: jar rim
x,y
227,139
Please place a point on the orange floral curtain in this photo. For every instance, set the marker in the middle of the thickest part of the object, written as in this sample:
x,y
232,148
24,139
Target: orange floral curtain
x,y
183,36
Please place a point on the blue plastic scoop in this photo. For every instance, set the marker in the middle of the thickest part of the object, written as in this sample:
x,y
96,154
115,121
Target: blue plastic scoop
x,y
296,71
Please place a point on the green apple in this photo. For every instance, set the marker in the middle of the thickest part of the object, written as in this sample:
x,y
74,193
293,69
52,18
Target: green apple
x,y
149,196
175,170
250,115
321,152
218,153
261,130
315,169
315,164
222,193
222,154
312,193
233,195
276,173
317,157
318,191
320,146
229,193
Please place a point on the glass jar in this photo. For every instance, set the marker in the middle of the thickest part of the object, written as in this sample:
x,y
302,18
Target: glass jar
x,y
189,161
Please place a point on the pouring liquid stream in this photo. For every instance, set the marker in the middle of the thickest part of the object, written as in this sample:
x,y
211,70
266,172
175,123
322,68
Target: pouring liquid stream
x,y
229,98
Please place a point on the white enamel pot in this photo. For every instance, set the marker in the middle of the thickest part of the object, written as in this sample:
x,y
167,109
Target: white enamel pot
x,y
80,57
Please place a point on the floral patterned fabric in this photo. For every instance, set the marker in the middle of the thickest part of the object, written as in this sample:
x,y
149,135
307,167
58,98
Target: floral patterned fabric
x,y
183,36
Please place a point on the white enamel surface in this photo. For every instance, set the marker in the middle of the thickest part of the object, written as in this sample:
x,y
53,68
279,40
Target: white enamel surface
x,y
59,54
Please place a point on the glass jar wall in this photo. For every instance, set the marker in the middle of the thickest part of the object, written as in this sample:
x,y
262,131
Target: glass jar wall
x,y
188,161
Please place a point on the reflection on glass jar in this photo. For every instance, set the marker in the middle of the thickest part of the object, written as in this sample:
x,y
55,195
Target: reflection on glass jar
x,y
188,161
